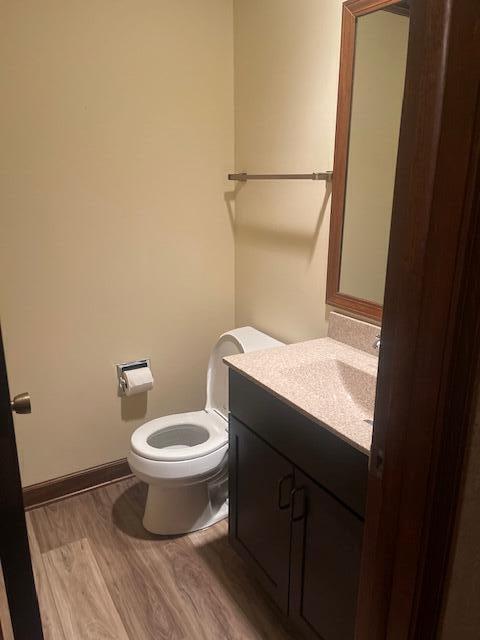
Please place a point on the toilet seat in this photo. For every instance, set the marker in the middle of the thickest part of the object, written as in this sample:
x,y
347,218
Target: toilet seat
x,y
183,436
180,463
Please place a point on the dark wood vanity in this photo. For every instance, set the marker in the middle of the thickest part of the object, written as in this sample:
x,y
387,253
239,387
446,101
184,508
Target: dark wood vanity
x,y
297,504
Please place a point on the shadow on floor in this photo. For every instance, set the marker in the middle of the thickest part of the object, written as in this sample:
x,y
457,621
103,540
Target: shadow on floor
x,y
222,566
237,580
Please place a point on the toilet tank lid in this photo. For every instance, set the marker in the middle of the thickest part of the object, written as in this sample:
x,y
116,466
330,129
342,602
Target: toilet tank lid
x,y
236,341
251,339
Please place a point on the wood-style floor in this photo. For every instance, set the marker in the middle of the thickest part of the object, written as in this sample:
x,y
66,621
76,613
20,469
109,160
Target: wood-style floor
x,y
101,576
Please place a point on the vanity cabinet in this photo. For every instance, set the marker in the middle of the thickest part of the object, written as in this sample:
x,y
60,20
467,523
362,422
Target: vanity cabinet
x,y
297,501
261,482
325,563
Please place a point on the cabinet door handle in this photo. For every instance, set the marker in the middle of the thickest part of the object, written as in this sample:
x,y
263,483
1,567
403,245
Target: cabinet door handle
x,y
299,504
281,503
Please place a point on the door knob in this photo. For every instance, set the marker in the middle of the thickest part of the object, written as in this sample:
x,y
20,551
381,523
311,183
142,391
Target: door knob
x,y
21,403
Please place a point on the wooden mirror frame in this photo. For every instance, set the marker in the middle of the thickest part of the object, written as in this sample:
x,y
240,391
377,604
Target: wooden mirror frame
x,y
352,9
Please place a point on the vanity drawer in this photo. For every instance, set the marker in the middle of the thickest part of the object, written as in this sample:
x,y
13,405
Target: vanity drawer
x,y
327,459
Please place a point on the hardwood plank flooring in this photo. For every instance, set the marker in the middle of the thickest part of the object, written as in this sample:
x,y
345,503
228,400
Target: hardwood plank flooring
x,y
83,601
51,622
100,575
232,574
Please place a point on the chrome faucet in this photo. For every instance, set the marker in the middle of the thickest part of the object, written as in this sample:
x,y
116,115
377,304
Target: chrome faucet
x,y
376,343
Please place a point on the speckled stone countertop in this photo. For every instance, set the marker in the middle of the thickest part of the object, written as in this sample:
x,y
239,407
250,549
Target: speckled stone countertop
x,y
328,381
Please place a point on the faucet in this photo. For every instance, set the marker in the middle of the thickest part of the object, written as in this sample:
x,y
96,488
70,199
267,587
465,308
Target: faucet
x,y
376,343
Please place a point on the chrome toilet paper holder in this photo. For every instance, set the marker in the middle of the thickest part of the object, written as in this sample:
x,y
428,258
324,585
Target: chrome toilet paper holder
x,y
128,366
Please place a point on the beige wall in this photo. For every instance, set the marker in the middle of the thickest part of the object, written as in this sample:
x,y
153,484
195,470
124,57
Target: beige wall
x,y
379,79
461,616
286,78
116,134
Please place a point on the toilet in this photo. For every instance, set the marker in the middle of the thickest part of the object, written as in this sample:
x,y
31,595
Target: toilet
x,y
183,457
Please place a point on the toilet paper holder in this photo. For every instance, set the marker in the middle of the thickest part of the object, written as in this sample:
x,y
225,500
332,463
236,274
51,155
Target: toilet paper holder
x,y
128,366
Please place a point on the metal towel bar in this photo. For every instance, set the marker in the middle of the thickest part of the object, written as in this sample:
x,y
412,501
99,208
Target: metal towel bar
x,y
244,177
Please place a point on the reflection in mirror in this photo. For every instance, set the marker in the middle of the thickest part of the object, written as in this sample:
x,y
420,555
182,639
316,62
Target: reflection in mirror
x,y
378,82
372,79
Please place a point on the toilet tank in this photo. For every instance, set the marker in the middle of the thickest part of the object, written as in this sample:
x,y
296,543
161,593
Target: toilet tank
x,y
231,343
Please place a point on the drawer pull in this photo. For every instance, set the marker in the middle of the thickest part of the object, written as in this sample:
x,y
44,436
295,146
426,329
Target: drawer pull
x,y
281,503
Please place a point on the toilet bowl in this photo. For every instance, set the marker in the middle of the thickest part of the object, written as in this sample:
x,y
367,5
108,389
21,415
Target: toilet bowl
x,y
183,457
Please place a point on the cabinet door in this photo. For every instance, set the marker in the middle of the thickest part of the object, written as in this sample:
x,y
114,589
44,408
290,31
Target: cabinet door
x,y
326,549
260,484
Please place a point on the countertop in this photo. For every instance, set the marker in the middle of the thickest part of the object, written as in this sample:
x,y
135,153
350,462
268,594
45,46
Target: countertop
x,y
328,381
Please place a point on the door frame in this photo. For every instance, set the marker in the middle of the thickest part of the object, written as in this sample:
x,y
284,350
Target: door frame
x,y
428,367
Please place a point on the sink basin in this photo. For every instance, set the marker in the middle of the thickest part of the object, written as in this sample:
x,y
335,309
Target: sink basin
x,y
358,385
339,386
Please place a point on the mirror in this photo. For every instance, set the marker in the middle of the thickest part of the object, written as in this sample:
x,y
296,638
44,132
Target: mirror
x,y
371,87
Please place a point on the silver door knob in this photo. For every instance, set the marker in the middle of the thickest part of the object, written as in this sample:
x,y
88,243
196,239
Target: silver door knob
x,y
21,403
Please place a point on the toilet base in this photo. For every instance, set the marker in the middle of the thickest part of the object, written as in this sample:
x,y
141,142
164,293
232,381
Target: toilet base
x,y
184,509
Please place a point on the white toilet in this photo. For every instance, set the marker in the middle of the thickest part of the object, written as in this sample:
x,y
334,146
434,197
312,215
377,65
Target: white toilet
x,y
183,457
